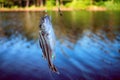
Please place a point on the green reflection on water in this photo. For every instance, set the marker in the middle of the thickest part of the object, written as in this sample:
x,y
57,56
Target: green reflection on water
x,y
71,25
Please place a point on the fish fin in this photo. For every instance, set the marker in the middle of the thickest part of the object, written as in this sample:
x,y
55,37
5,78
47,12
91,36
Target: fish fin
x,y
43,57
54,69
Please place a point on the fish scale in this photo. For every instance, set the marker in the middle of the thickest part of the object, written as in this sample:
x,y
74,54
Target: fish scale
x,y
47,41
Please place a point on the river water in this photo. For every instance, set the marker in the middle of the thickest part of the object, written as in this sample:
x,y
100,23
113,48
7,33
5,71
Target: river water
x,y
87,46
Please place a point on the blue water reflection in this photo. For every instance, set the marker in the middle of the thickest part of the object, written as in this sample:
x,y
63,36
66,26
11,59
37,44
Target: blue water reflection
x,y
90,58
93,54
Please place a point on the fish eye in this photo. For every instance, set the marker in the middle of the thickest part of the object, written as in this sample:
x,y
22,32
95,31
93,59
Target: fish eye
x,y
42,21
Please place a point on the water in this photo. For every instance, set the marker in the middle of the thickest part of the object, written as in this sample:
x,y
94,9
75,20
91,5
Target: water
x,y
87,46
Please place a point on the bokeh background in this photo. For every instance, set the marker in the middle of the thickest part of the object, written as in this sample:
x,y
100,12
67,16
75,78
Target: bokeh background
x,y
87,45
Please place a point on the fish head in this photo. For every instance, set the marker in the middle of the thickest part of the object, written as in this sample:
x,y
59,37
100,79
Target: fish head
x,y
47,18
45,21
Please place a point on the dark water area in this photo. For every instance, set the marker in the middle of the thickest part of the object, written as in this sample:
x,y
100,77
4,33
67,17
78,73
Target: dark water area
x,y
87,46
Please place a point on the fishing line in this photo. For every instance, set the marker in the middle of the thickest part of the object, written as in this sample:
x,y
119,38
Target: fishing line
x,y
59,10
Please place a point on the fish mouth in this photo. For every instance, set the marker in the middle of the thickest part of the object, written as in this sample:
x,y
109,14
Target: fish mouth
x,y
46,18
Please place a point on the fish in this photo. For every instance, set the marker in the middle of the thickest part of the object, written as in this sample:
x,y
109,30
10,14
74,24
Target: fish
x,y
47,41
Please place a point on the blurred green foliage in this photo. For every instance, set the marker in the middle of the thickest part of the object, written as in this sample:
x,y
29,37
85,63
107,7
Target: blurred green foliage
x,y
75,4
80,4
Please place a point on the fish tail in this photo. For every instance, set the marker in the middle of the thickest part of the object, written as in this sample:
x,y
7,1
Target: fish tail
x,y
53,67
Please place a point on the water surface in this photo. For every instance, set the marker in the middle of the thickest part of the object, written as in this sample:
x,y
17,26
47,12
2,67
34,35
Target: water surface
x,y
87,46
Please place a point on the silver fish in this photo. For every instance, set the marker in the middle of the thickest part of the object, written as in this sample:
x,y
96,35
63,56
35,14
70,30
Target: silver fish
x,y
47,41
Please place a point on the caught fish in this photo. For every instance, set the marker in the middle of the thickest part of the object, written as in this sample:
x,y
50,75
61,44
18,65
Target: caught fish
x,y
47,41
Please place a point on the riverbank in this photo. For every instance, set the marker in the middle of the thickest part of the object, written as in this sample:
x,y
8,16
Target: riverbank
x,y
90,8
